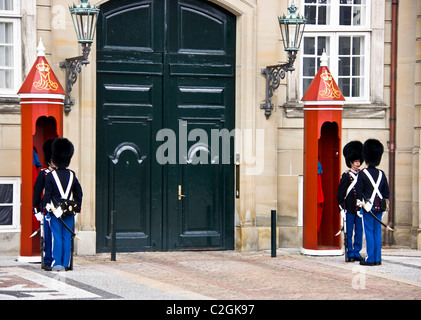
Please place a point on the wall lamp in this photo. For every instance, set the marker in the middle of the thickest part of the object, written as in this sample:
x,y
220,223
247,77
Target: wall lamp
x,y
292,28
84,17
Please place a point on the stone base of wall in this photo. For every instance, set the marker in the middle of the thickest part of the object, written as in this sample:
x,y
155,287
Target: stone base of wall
x,y
259,238
10,243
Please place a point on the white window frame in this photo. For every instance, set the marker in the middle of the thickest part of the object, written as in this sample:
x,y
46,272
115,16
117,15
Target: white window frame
x,y
333,56
334,23
14,12
15,226
333,30
365,94
13,16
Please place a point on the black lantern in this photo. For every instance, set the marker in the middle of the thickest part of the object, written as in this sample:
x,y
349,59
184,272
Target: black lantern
x,y
292,28
84,17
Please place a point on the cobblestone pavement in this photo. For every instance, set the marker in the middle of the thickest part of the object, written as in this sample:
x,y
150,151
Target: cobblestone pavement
x,y
216,275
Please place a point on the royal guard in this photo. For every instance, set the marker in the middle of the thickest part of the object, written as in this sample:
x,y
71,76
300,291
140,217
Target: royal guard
x,y
44,219
347,201
372,194
63,199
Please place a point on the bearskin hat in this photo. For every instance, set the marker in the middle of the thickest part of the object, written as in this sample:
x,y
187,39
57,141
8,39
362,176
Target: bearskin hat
x,y
47,150
372,152
353,151
62,152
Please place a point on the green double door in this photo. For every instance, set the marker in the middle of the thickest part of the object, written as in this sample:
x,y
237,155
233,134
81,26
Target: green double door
x,y
165,115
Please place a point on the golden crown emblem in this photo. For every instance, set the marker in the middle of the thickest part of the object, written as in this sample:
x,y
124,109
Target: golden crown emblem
x,y
326,76
44,82
329,91
43,67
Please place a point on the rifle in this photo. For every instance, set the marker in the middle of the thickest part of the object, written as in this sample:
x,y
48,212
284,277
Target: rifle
x,y
40,224
42,241
343,229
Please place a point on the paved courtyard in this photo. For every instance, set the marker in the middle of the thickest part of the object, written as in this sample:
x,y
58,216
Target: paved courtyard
x,y
216,275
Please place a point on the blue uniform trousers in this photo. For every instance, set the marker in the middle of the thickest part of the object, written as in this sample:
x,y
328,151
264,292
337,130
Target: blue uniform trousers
x,y
61,240
373,236
354,244
48,255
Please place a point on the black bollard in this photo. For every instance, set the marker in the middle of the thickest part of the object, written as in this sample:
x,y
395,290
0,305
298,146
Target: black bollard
x,y
113,236
273,233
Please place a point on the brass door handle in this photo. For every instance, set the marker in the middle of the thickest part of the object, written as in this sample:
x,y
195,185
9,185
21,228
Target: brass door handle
x,y
179,193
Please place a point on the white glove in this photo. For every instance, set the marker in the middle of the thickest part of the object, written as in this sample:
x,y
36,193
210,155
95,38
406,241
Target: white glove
x,y
367,206
49,207
58,212
39,216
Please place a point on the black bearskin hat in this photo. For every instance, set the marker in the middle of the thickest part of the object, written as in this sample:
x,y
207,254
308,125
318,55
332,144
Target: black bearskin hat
x,y
47,150
62,152
373,151
353,151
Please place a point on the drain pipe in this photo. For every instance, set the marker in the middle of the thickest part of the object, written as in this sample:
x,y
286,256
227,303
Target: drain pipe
x,y
392,120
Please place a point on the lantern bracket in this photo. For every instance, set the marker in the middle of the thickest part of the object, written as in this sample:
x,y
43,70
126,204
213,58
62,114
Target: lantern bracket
x,y
73,68
84,17
274,74
292,28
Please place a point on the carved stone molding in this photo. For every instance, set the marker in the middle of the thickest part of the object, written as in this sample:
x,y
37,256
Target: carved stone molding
x,y
350,111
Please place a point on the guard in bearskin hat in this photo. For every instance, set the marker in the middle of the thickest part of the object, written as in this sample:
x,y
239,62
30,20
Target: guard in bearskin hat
x,y
347,200
372,194
63,198
46,255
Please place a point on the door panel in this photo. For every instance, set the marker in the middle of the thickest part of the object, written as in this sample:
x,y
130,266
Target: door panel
x,y
201,211
200,83
199,27
165,64
131,26
128,177
198,114
130,194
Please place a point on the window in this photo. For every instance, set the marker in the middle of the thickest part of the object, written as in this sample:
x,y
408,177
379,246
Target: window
x,y
342,29
9,203
10,52
313,47
351,58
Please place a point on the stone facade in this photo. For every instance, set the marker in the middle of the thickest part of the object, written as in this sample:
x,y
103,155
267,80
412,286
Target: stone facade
x,y
271,162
